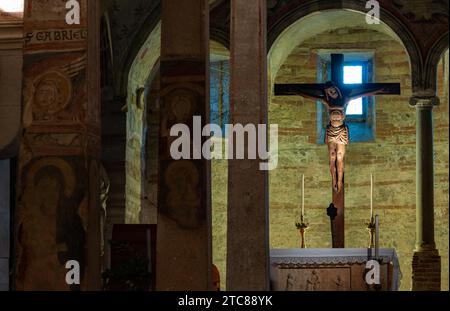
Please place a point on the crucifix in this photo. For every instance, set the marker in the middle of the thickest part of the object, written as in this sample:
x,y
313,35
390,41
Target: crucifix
x,y
336,95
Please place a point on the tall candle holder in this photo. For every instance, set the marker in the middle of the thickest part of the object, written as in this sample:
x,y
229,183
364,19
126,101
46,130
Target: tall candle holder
x,y
371,228
302,226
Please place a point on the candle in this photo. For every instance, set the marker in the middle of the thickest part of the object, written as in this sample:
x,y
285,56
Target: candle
x,y
371,197
303,196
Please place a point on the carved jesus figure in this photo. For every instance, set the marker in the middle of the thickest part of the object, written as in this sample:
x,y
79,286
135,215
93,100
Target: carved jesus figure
x,y
336,100
335,96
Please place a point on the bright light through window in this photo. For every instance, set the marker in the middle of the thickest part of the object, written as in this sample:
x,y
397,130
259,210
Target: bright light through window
x,y
355,107
353,74
12,6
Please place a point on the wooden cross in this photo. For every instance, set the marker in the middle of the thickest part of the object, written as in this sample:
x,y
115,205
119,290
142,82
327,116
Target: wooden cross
x,y
336,95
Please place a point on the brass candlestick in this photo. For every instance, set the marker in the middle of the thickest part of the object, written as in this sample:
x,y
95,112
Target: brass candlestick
x,y
371,228
302,226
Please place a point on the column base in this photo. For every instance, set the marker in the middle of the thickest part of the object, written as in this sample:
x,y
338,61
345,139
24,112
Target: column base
x,y
426,271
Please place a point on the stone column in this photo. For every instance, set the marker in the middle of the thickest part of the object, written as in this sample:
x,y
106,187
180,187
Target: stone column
x,y
184,209
58,211
426,265
247,236
5,209
11,41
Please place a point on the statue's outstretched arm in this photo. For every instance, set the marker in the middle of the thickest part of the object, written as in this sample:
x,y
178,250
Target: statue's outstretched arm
x,y
370,89
312,91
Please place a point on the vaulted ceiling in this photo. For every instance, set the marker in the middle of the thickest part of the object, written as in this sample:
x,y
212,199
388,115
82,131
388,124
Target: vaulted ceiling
x,y
425,31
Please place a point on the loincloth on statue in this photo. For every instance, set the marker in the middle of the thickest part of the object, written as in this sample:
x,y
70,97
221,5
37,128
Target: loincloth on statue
x,y
337,134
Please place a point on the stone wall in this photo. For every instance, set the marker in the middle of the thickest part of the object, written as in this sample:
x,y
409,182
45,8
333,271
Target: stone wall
x,y
136,123
391,158
219,192
441,188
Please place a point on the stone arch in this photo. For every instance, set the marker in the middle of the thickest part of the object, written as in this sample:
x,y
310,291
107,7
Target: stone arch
x,y
144,75
142,72
150,24
148,27
295,115
150,148
142,80
431,63
297,13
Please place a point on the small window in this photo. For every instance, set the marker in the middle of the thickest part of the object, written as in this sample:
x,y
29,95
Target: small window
x,y
354,75
357,73
219,94
360,112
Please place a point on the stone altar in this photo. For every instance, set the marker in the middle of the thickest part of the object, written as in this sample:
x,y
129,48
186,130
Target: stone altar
x,y
330,269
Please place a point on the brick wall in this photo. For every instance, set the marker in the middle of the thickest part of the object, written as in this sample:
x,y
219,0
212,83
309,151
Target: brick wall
x,y
136,122
391,157
426,271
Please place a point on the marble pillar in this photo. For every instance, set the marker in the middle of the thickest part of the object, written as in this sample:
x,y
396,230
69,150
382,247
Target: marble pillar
x,y
426,265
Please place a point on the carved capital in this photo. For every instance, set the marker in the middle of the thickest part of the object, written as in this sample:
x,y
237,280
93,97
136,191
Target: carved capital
x,y
424,101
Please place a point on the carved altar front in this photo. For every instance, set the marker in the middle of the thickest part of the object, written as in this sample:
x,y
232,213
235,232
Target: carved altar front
x,y
331,269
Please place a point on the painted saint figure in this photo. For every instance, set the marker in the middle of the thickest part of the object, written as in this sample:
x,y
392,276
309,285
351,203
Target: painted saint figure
x,y
50,230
